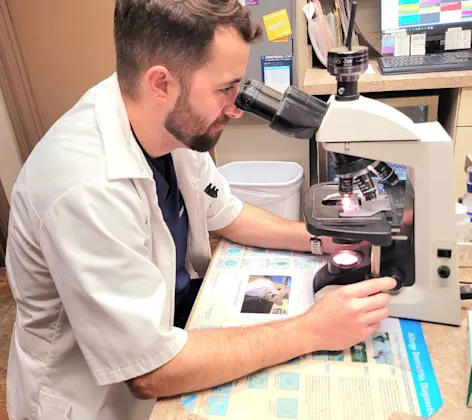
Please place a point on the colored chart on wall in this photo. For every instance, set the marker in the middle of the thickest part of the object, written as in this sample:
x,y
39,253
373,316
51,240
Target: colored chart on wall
x,y
433,12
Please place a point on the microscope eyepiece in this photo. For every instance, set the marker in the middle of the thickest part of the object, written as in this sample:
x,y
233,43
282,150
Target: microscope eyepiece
x,y
258,99
292,113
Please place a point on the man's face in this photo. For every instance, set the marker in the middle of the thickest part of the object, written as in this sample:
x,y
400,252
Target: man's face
x,y
206,103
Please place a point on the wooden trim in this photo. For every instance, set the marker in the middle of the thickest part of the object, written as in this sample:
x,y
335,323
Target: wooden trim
x,y
16,89
303,49
4,213
464,118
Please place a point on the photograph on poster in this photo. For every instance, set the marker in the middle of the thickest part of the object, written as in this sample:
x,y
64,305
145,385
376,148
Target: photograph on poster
x,y
267,294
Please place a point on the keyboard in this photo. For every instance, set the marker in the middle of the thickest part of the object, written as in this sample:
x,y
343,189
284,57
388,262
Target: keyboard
x,y
429,63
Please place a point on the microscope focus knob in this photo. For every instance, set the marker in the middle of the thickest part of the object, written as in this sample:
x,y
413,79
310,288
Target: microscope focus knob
x,y
444,271
396,274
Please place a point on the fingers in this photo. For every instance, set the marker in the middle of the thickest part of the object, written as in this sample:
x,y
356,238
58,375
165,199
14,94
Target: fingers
x,y
374,302
373,327
408,217
369,287
375,317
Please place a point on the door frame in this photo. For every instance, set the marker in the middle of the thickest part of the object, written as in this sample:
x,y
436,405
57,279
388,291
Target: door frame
x,y
16,89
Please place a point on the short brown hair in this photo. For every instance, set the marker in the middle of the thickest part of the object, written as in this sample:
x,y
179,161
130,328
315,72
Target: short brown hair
x,y
175,33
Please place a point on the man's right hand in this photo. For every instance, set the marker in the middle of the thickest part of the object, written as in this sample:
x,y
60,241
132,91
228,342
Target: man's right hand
x,y
349,314
212,357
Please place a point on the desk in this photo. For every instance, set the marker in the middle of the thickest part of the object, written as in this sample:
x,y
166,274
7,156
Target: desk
x,y
448,348
319,82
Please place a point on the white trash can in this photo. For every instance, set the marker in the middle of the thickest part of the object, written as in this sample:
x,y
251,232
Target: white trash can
x,y
272,185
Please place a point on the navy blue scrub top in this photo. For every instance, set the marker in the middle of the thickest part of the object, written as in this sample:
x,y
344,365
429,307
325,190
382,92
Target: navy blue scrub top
x,y
174,212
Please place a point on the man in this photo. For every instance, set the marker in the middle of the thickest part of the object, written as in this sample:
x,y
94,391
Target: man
x,y
110,220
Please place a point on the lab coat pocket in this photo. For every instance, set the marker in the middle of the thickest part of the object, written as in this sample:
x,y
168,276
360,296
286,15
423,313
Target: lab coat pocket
x,y
51,407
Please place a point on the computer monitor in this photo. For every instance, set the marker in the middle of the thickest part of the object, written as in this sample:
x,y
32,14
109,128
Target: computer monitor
x,y
430,16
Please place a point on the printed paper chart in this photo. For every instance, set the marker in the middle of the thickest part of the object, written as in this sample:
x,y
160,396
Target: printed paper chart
x,y
390,372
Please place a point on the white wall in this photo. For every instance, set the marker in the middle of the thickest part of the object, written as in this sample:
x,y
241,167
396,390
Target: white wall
x,y
10,158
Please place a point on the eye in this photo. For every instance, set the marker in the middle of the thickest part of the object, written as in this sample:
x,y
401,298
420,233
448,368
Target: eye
x,y
225,91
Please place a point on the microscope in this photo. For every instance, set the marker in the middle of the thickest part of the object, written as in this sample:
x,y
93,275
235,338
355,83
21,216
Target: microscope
x,y
408,225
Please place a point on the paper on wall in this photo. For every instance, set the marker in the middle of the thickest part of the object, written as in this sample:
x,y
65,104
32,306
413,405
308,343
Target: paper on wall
x,y
277,71
389,372
402,44
457,38
418,44
388,45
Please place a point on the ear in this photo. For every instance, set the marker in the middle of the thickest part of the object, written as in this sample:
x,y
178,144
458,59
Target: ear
x,y
157,80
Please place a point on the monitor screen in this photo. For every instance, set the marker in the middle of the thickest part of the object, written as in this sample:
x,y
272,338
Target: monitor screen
x,y
420,15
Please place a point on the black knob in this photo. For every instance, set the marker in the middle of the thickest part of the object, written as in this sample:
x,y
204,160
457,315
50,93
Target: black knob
x,y
396,274
444,271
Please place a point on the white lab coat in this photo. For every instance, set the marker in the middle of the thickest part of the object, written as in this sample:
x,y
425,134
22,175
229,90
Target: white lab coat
x,y
91,264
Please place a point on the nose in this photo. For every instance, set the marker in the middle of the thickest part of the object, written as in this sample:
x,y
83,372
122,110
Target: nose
x,y
233,111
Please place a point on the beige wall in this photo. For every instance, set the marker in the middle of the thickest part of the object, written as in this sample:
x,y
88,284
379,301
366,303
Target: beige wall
x,y
66,46
10,160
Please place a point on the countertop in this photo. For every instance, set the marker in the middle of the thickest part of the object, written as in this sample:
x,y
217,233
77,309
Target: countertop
x,y
319,82
448,348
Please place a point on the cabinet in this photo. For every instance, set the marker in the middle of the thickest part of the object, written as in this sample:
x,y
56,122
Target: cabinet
x,y
464,118
463,140
463,146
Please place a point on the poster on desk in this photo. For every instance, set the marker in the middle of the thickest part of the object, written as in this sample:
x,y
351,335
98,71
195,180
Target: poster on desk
x,y
389,372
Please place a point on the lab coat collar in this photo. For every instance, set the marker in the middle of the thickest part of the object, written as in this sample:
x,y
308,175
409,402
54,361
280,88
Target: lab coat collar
x,y
123,156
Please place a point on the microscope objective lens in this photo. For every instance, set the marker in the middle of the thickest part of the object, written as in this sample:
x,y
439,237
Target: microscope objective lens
x,y
366,185
346,185
384,172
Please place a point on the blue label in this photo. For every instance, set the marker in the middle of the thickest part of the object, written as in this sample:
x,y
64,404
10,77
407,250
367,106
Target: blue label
x,y
426,386
469,213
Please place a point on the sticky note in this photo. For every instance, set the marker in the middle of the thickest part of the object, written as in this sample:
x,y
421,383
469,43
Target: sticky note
x,y
277,24
283,39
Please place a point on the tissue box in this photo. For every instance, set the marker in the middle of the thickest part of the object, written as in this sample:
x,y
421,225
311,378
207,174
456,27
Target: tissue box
x,y
469,391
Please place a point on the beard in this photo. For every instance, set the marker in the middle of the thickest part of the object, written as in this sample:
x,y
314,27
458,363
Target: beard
x,y
189,128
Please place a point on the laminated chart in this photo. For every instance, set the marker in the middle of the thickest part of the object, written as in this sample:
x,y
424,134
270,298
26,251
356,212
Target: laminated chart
x,y
389,372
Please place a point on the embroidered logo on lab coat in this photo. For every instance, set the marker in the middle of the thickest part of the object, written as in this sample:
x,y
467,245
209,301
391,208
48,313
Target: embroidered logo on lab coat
x,y
211,190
